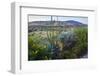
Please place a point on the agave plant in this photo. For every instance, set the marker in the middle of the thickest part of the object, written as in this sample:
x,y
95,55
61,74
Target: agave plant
x,y
67,39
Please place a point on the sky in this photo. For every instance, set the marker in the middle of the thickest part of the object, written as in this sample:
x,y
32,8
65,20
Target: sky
x,y
59,18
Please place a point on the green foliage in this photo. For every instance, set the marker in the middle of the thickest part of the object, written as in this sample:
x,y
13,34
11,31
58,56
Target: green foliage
x,y
37,49
75,43
58,44
68,40
81,46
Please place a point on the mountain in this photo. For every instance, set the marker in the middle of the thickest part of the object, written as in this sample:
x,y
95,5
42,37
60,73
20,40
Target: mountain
x,y
72,22
36,25
60,23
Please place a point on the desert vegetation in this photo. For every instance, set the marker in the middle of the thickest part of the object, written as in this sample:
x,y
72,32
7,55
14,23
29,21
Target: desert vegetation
x,y
51,44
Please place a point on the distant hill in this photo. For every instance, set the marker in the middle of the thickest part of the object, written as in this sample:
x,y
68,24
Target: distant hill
x,y
60,23
72,22
35,25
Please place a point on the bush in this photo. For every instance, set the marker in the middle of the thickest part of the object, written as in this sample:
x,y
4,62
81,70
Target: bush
x,y
75,43
37,49
81,47
68,40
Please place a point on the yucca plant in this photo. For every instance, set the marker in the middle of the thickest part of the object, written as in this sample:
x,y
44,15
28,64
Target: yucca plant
x,y
52,35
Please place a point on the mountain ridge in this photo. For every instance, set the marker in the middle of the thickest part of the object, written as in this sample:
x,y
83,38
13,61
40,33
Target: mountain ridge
x,y
62,23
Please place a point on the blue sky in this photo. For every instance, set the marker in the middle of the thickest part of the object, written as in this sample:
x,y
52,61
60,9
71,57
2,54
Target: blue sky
x,y
59,18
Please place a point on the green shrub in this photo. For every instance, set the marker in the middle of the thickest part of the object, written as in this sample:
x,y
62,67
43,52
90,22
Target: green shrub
x,y
37,49
81,47
75,44
68,40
